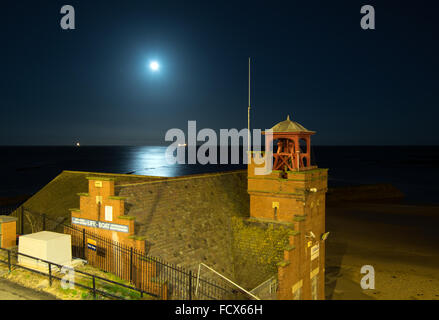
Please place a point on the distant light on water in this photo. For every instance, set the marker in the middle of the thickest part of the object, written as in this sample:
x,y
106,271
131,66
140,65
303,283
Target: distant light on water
x,y
150,160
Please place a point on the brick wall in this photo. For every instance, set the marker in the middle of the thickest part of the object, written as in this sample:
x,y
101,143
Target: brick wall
x,y
296,197
8,234
299,265
94,205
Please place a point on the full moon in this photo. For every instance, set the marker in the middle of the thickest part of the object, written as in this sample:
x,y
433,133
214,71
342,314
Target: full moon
x,y
154,65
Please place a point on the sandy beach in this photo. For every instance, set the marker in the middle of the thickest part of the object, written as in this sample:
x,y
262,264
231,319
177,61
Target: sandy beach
x,y
400,241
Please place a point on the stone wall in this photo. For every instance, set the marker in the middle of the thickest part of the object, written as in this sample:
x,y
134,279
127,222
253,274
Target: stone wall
x,y
257,248
187,220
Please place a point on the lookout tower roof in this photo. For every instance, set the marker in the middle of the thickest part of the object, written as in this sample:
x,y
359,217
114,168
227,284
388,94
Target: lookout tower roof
x,y
290,126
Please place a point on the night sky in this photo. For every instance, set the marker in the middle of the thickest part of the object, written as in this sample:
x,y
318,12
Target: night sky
x,y
311,59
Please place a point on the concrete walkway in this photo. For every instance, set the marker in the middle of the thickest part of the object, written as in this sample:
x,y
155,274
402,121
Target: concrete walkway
x,y
13,291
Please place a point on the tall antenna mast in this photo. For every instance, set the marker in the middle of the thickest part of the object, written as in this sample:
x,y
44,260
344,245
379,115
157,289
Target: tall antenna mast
x,y
248,114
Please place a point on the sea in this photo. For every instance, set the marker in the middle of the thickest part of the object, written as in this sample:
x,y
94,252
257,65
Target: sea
x,y
413,169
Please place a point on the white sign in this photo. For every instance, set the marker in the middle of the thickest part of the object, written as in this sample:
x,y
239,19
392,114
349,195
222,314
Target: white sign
x,y
314,252
109,213
100,225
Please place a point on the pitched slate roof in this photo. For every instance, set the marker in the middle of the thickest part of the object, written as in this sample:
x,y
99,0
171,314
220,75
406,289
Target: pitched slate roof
x,y
59,195
186,220
289,126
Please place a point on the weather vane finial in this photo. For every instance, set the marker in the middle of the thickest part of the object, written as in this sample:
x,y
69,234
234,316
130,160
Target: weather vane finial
x,y
248,114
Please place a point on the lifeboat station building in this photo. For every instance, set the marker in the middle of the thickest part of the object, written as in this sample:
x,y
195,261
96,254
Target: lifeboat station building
x,y
249,228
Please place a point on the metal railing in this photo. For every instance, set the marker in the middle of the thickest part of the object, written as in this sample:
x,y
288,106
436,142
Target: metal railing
x,y
267,289
149,274
41,264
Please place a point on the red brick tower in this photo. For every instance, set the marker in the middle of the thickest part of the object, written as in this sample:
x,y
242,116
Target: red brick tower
x,y
294,193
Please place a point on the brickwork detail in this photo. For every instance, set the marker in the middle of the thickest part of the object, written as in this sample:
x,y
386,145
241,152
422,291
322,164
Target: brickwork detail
x,y
8,232
296,197
100,204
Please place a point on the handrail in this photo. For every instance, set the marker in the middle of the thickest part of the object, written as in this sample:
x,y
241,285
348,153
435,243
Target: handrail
x,y
270,281
166,272
76,271
228,280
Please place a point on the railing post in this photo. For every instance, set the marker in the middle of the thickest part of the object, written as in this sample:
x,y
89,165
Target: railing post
x,y
83,243
9,261
131,263
50,274
94,287
44,222
190,284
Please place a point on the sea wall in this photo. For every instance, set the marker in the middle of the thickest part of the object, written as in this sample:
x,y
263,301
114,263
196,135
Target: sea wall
x,y
187,220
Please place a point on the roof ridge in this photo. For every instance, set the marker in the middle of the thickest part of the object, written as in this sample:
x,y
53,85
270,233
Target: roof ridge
x,y
183,178
114,174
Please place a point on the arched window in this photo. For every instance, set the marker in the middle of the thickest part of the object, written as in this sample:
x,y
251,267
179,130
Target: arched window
x,y
305,162
303,145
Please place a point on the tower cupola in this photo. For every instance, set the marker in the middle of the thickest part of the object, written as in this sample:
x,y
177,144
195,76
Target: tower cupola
x,y
293,146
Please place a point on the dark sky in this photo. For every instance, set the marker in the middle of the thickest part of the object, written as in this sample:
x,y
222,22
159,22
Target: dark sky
x,y
310,59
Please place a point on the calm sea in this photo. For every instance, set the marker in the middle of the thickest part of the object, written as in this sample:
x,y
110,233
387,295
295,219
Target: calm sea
x,y
414,170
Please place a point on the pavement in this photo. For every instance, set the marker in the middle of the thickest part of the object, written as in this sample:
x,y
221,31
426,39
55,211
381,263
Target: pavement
x,y
12,291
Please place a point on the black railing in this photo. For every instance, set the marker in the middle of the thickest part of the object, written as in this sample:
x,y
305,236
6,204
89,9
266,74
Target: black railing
x,y
40,265
148,274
